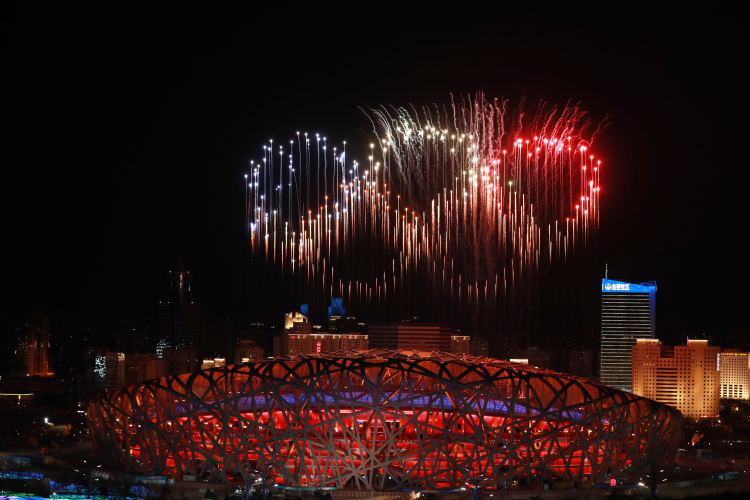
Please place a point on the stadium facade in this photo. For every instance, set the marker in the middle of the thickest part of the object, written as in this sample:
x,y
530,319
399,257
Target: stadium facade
x,y
383,420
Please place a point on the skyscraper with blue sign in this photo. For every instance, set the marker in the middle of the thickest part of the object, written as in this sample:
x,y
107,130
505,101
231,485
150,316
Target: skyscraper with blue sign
x,y
337,309
628,314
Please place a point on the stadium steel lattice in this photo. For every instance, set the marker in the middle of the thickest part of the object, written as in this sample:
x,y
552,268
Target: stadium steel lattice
x,y
383,420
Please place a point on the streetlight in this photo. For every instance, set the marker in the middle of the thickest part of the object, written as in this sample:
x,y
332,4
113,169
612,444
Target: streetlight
x,y
476,493
264,476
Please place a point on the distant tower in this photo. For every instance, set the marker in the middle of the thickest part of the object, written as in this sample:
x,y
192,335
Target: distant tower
x,y
179,321
337,309
37,345
628,314
180,282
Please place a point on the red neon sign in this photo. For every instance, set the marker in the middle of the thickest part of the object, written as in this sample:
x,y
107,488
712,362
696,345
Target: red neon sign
x,y
317,347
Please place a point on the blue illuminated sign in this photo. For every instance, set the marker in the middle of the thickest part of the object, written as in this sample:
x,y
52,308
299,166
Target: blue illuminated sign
x,y
621,286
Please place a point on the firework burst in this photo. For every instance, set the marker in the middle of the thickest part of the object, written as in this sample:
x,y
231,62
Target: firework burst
x,y
464,214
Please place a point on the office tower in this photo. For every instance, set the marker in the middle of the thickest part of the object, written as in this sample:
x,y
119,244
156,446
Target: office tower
x,y
35,346
734,370
582,362
411,336
296,323
685,377
114,374
337,309
628,314
180,322
460,344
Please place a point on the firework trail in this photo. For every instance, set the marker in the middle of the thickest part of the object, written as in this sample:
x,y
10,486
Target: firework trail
x,y
469,214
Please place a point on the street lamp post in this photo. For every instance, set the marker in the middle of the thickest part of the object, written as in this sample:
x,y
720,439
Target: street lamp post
x,y
476,479
263,473
89,470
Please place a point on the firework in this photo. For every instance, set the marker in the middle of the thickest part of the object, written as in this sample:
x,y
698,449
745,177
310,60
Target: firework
x,y
460,214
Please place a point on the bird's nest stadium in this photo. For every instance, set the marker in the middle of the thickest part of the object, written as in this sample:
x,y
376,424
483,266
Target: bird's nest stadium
x,y
383,420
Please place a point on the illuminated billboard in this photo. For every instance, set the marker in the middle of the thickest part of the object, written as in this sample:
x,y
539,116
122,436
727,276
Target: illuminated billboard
x,y
621,286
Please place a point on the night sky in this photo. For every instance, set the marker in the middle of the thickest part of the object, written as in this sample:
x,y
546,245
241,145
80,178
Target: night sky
x,y
127,130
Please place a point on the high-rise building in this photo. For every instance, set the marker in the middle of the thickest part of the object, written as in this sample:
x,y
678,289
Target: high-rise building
x,y
114,374
337,309
179,321
628,314
734,369
297,323
34,346
686,377
411,336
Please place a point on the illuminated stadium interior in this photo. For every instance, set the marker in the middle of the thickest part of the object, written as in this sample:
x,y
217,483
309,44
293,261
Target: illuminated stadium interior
x,y
382,420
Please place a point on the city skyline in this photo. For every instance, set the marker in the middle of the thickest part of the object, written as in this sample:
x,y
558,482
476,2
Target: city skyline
x,y
365,248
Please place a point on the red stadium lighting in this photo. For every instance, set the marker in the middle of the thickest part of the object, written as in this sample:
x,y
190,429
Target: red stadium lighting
x,y
382,420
